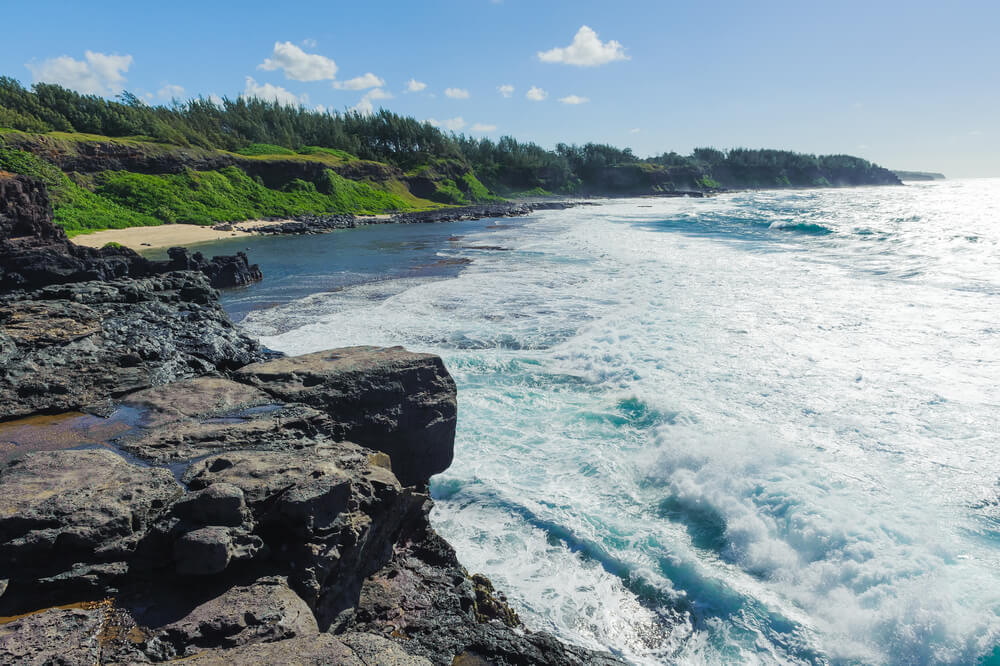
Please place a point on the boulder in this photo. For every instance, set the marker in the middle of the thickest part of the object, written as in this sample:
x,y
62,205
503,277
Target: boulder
x,y
186,620
388,399
326,514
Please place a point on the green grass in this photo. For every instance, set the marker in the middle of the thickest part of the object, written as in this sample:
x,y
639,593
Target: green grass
x,y
118,199
205,197
76,209
264,149
333,152
533,192
475,190
447,192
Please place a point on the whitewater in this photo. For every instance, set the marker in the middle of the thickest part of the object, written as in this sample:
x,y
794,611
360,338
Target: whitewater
x,y
760,427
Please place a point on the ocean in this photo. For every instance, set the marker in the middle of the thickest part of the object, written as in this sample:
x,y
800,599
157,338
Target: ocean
x,y
761,427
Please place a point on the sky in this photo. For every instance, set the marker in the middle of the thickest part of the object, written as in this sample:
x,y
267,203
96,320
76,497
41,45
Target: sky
x,y
909,85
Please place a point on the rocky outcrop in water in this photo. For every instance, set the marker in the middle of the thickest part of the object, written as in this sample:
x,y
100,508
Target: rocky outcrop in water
x,y
233,520
36,253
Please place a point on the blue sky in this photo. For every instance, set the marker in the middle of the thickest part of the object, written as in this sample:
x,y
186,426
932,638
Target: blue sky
x,y
909,85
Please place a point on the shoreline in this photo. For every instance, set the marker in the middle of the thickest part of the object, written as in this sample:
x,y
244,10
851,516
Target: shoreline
x,y
143,239
169,235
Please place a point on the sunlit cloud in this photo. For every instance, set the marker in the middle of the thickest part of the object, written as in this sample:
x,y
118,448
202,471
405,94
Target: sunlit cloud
x,y
574,99
482,127
536,94
585,51
413,86
299,65
366,104
96,74
506,90
272,93
362,82
457,93
170,91
453,124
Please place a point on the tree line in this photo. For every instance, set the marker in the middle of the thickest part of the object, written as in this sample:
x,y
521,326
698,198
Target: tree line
x,y
504,165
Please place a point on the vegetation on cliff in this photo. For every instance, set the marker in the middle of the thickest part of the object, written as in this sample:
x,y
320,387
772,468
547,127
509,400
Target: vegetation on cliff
x,y
203,161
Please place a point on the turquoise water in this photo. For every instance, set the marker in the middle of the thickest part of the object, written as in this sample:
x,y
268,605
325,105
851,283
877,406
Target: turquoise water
x,y
757,428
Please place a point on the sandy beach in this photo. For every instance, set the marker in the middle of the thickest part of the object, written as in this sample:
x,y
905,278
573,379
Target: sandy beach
x,y
167,235
183,235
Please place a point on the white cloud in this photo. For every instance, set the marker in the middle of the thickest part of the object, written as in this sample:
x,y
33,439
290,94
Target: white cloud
x,y
482,127
453,124
215,99
585,51
270,93
365,106
309,43
574,99
97,74
456,93
299,65
363,82
634,130
506,90
536,94
415,86
170,91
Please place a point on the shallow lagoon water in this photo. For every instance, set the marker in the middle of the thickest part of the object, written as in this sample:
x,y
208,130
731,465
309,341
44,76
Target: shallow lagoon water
x,y
757,428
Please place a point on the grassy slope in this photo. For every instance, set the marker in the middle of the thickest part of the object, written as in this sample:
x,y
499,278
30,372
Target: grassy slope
x,y
118,199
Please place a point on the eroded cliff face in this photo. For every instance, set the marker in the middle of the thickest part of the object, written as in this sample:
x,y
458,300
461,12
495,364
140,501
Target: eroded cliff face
x,y
212,505
36,253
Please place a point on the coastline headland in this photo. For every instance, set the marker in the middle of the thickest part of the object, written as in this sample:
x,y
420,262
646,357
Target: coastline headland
x,y
169,489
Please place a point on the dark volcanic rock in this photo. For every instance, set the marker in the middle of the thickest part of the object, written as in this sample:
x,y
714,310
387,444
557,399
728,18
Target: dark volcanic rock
x,y
223,271
185,620
330,517
69,346
70,521
427,597
198,417
462,213
65,636
391,400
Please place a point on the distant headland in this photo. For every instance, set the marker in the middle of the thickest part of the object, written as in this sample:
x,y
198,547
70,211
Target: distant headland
x,y
918,175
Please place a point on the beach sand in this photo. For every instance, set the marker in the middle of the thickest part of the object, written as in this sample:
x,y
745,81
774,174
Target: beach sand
x,y
167,235
183,235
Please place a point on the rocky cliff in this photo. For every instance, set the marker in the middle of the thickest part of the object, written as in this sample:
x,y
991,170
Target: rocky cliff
x,y
207,503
